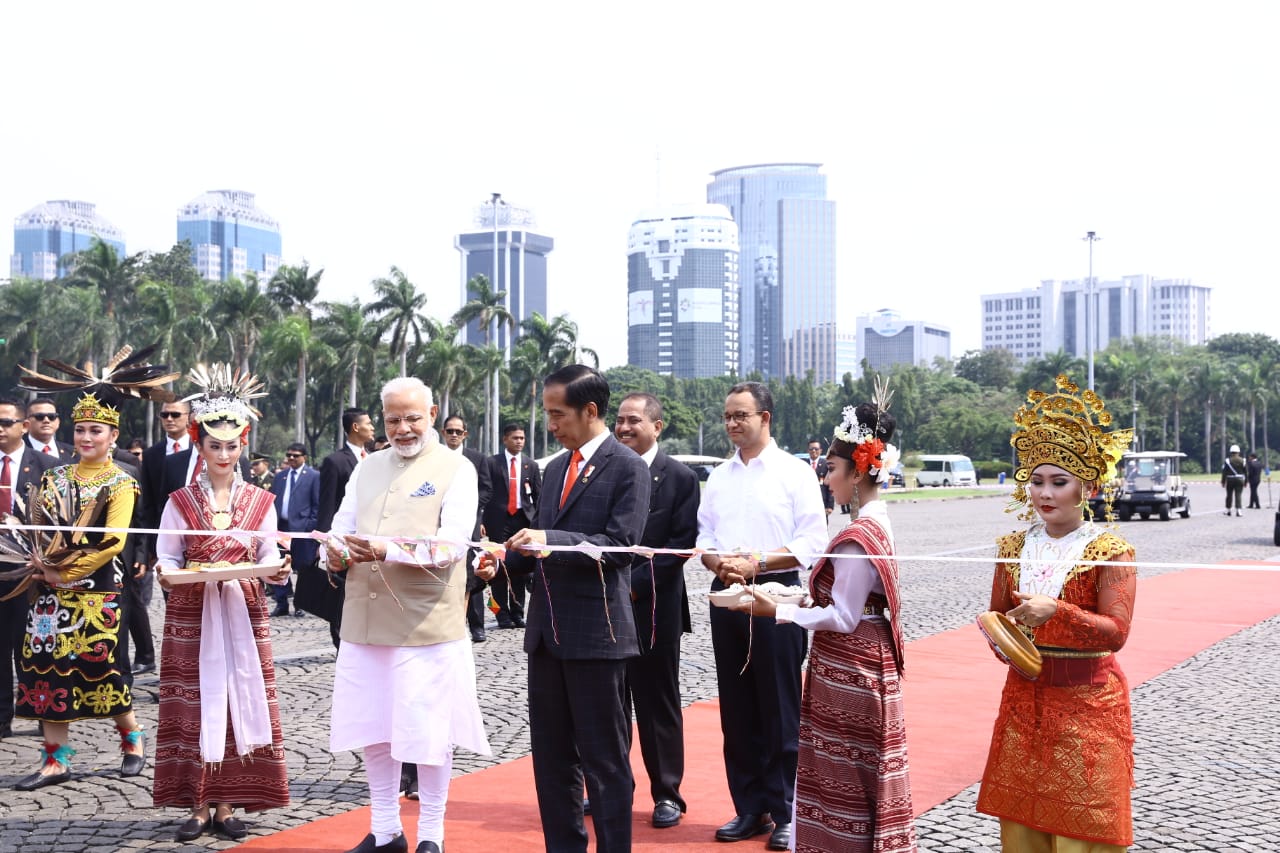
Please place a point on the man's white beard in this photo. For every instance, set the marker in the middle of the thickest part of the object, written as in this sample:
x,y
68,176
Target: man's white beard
x,y
411,450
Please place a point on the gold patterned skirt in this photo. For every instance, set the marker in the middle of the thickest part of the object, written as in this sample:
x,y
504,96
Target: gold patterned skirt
x,y
70,668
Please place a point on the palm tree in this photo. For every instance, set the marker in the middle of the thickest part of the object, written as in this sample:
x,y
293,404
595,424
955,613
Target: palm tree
x,y
1207,379
115,279
553,344
289,341
446,365
294,289
243,310
24,309
485,307
346,330
398,310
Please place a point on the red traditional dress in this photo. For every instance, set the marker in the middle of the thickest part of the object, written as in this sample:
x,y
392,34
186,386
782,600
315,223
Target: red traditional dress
x,y
853,791
1061,759
258,780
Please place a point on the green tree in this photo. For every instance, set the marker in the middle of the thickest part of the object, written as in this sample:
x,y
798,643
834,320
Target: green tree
x,y
243,311
486,306
398,311
988,368
346,330
100,269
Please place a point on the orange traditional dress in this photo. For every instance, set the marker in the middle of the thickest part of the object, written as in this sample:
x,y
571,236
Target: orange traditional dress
x,y
1061,759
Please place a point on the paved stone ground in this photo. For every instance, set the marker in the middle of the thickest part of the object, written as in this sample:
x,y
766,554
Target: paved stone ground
x,y
1208,740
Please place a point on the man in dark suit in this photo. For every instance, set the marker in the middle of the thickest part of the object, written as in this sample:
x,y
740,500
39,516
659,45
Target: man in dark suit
x,y
581,629
20,467
455,437
297,491
174,419
515,484
661,604
818,462
318,591
42,430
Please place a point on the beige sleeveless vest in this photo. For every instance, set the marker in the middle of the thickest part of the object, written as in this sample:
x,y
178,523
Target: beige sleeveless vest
x,y
402,497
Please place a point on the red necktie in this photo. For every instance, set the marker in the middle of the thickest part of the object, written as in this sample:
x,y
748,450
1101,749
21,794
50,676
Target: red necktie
x,y
176,447
49,450
6,490
570,476
363,454
512,485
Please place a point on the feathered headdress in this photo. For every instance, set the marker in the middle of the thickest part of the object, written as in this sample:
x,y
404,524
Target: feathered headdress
x,y
1065,429
222,407
22,552
127,374
870,453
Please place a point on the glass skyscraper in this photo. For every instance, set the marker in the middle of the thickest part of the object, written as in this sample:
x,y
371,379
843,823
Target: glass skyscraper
x,y
682,292
786,231
522,268
45,234
229,235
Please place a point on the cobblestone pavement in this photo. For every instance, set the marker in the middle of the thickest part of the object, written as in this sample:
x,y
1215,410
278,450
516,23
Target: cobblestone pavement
x,y
1208,743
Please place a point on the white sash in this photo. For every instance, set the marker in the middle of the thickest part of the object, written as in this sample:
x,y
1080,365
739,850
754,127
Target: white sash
x,y
230,676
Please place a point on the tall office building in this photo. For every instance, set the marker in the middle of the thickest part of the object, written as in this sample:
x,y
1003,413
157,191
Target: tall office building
x,y
1035,322
521,266
682,292
229,235
886,339
786,231
45,234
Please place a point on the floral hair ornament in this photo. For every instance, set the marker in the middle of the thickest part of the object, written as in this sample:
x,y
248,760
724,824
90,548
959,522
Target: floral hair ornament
x,y
870,454
1066,429
126,374
222,407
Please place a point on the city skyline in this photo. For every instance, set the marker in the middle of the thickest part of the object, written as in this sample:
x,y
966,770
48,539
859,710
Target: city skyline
x,y
969,149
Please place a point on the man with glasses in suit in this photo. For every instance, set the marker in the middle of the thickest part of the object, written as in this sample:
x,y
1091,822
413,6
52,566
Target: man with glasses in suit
x,y
297,491
20,467
42,430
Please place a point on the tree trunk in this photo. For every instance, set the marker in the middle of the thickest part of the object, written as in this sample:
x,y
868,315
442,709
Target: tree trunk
x,y
533,414
1208,436
351,395
300,402
1177,425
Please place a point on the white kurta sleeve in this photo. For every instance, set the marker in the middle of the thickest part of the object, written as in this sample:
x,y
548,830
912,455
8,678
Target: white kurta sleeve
x,y
855,579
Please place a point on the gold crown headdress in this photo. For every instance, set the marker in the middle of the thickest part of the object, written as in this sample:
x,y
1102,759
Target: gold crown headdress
x,y
1065,429
222,407
126,374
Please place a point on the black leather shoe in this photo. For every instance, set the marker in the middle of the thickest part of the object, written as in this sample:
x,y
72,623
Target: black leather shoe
x,y
281,611
192,829
477,635
131,765
744,826
666,813
411,789
6,730
370,845
37,780
517,622
230,828
144,666
429,847
780,838
506,624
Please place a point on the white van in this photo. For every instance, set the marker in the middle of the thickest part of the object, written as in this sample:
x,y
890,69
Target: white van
x,y
946,469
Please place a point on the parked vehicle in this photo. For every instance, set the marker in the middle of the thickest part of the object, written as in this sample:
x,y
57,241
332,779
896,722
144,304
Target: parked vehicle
x,y
896,476
1148,483
946,469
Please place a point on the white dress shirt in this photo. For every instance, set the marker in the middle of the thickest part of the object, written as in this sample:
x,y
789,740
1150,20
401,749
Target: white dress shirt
x,y
855,579
765,505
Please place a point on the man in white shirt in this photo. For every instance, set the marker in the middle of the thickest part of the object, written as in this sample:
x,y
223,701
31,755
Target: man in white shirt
x,y
761,504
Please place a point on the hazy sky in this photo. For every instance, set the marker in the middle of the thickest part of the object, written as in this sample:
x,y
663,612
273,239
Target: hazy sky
x,y
969,146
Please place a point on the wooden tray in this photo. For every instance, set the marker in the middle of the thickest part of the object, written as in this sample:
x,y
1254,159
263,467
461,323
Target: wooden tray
x,y
222,573
1011,644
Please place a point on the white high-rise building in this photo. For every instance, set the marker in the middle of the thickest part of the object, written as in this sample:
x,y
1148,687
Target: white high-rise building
x,y
1035,322
885,339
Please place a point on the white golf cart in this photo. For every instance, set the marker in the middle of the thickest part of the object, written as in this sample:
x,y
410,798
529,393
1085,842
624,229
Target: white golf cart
x,y
1149,483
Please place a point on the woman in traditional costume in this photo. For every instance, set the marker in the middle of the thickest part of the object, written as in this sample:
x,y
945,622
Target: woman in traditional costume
x,y
853,791
219,745
1061,763
70,668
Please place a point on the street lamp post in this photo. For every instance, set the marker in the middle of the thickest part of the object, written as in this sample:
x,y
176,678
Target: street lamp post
x,y
493,380
1089,319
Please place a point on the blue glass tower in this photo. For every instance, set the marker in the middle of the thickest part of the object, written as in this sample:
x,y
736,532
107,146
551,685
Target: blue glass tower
x,y
229,235
46,234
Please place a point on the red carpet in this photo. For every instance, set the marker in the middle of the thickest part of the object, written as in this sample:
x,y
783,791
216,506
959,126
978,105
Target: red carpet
x,y
952,690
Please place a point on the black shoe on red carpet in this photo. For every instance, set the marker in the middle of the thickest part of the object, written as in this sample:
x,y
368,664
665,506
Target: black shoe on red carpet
x,y
371,845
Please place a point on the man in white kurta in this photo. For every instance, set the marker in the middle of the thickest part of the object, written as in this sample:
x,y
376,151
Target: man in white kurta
x,y
405,687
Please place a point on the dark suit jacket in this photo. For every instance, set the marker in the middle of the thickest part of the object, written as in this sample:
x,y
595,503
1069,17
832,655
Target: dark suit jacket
x,y
153,498
480,462
28,471
494,510
821,474
607,507
335,470
66,453
304,504
674,495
